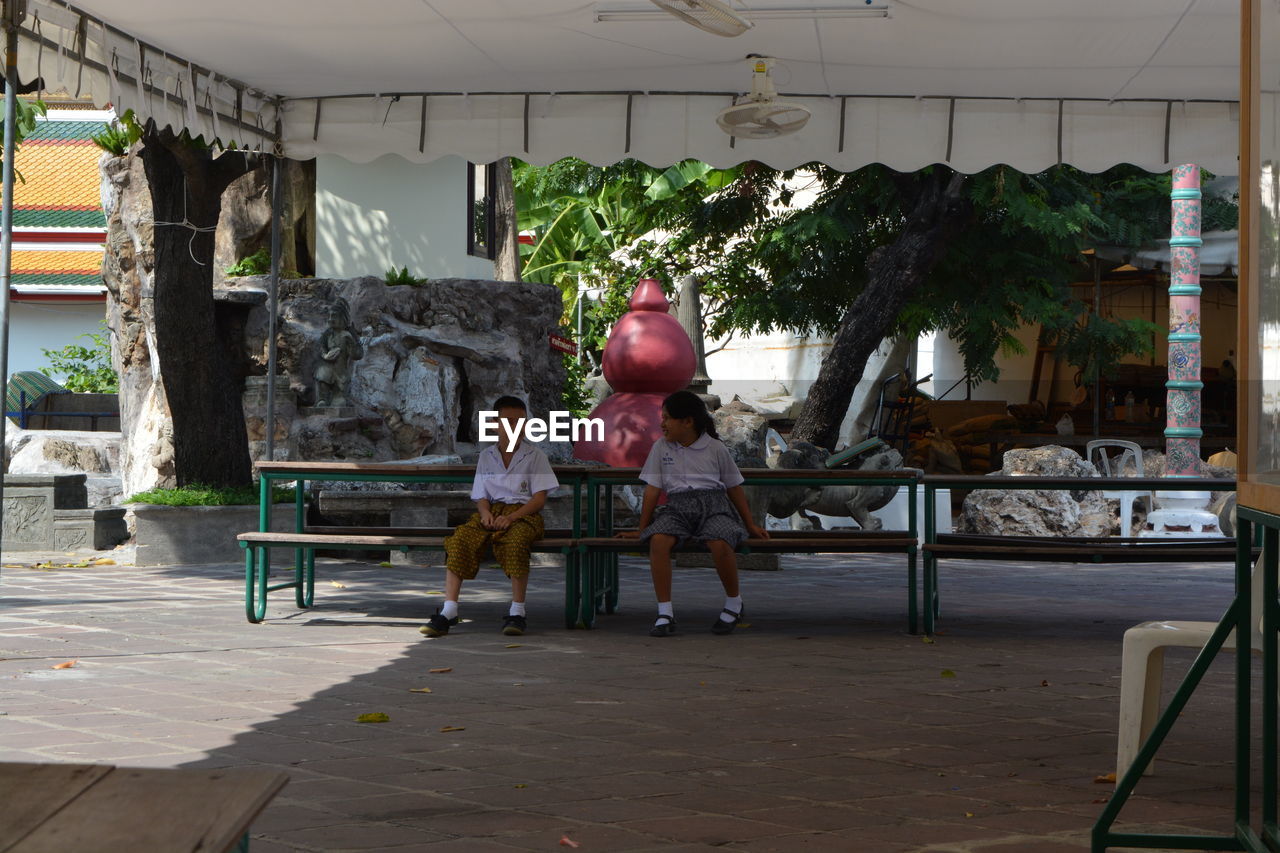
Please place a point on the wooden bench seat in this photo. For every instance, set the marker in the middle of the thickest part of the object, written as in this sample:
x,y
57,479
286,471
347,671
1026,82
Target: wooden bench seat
x,y
803,543
1080,550
1064,549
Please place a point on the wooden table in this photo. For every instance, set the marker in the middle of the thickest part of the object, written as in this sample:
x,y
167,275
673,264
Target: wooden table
x,y
100,808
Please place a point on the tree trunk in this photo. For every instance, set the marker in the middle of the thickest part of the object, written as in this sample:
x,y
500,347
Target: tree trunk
x,y
894,272
210,444
895,362
506,252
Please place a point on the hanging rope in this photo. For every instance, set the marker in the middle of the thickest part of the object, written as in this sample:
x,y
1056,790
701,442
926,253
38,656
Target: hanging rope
x,y
186,223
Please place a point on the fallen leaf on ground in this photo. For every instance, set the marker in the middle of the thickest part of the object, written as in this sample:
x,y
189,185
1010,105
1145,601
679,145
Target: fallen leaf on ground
x,y
376,717
66,664
513,645
419,689
968,814
1099,800
434,592
385,565
1105,779
14,566
566,841
744,624
104,562
947,673
928,640
338,585
522,785
441,669
453,729
1044,684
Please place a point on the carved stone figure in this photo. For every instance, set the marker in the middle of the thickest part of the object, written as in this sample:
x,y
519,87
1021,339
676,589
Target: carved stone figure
x,y
162,458
856,502
338,350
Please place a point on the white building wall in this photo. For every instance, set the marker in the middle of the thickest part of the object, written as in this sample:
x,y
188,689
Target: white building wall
x,y
37,326
765,365
371,217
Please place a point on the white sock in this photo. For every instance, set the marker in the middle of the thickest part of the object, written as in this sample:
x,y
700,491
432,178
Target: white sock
x,y
517,609
665,608
449,610
733,604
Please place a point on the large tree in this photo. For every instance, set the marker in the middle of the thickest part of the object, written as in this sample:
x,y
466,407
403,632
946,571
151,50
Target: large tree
x,y
875,253
186,179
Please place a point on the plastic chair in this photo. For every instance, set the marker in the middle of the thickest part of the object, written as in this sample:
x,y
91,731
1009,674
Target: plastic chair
x,y
1142,670
1113,465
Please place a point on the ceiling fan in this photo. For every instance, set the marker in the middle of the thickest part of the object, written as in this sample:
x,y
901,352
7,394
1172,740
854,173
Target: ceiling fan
x,y
713,16
760,115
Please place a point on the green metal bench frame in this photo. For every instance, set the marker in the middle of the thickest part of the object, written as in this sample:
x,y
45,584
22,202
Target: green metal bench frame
x,y
599,569
1033,549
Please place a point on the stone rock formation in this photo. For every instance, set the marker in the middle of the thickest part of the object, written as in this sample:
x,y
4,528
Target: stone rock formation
x,y
1031,512
434,355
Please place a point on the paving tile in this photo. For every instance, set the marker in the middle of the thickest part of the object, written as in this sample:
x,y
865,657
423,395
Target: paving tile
x,y
847,740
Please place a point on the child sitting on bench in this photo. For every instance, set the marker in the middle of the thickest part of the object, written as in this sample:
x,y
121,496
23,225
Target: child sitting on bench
x,y
705,502
510,489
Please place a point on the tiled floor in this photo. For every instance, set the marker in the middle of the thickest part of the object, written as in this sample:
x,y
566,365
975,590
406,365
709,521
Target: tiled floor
x,y
822,726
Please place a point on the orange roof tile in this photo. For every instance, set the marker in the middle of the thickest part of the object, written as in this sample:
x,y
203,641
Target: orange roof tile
x,y
60,175
27,262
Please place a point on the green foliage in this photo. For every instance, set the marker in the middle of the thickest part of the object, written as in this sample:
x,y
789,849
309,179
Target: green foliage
x,y
575,398
788,250
402,277
120,135
210,496
259,263
581,216
84,369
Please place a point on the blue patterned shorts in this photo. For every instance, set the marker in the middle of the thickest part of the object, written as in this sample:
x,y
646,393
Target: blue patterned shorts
x,y
701,514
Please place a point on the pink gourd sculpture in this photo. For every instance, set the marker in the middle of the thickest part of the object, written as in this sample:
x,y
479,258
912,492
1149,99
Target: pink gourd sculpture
x,y
648,357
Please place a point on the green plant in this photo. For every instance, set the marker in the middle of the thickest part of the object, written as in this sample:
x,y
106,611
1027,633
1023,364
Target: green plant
x,y
575,397
259,263
118,136
401,277
84,369
196,495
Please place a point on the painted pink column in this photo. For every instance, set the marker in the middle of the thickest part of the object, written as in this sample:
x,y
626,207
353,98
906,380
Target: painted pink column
x,y
1182,426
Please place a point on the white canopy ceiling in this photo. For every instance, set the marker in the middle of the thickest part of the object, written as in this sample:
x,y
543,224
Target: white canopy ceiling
x,y
966,82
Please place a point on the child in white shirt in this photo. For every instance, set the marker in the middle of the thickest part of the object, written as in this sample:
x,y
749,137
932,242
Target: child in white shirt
x,y
510,489
705,502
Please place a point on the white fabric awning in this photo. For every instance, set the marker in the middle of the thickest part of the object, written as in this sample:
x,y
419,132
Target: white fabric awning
x,y
967,82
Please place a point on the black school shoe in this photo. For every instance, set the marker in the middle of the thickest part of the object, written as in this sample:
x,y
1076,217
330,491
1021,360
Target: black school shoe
x,y
663,628
513,626
437,625
722,627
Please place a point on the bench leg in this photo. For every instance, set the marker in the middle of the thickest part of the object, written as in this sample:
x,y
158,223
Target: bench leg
x,y
255,583
587,592
572,587
913,592
304,577
611,597
930,593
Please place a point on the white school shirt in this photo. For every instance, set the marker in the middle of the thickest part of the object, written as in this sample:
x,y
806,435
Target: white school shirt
x,y
705,464
529,473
